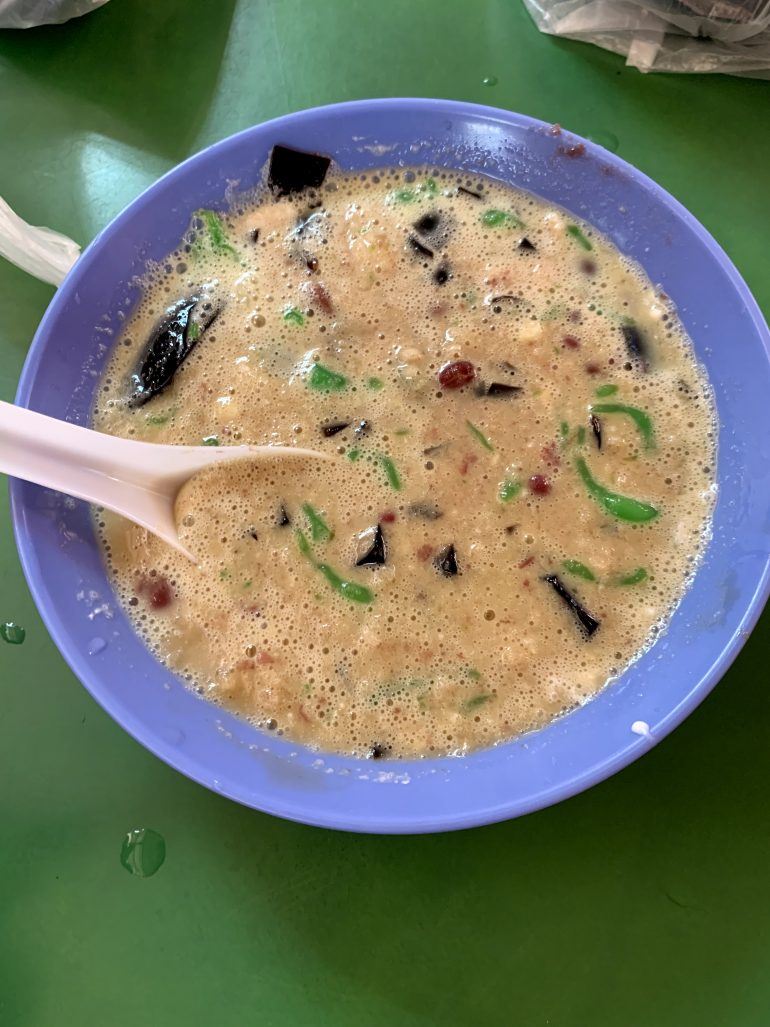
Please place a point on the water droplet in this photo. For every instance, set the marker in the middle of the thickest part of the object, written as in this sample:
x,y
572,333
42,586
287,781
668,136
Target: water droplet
x,y
12,633
606,139
489,80
96,645
143,852
641,728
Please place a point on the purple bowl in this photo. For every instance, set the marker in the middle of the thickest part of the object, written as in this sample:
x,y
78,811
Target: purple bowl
x,y
63,563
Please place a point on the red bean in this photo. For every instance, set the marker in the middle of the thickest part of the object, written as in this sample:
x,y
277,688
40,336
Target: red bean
x,y
578,150
321,298
571,342
456,374
388,517
551,455
539,485
157,591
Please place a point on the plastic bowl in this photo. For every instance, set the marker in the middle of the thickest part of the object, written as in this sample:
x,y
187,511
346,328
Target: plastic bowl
x,y
63,564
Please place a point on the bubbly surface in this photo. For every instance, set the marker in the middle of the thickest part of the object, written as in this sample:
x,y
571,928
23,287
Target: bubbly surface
x,y
524,472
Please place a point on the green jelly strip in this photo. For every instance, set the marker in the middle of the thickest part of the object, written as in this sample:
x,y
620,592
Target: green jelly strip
x,y
640,419
211,440
158,419
564,431
508,490
294,316
215,232
606,390
623,507
323,379
391,473
579,237
580,435
479,436
579,570
303,544
640,574
319,529
353,455
500,219
349,589
429,187
475,701
375,384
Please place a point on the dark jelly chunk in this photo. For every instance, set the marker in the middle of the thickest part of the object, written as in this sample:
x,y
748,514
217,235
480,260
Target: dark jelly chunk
x,y
588,623
501,389
291,170
636,344
442,275
427,223
596,428
377,751
456,374
169,346
527,246
283,519
469,192
418,247
446,562
375,555
334,429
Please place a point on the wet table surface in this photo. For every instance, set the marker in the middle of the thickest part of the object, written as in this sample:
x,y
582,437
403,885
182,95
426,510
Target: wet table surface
x,y
645,901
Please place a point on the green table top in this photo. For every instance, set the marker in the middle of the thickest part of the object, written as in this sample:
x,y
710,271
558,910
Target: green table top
x,y
645,901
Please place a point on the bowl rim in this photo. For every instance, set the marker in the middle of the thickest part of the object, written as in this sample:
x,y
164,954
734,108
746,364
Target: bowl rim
x,y
305,812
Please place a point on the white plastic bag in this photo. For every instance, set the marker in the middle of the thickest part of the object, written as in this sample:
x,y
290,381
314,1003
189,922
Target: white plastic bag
x,y
728,36
26,14
46,254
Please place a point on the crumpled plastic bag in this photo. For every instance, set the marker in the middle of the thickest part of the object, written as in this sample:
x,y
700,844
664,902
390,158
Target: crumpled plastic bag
x,y
727,36
46,254
26,14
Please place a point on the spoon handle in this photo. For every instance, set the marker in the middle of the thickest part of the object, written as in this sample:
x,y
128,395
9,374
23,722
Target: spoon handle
x,y
65,456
